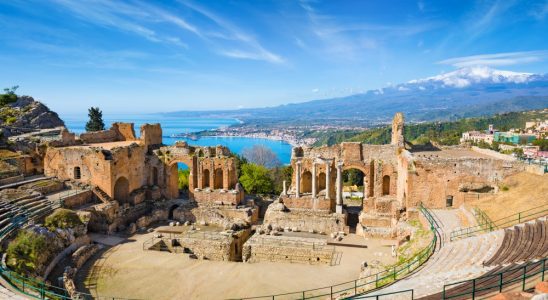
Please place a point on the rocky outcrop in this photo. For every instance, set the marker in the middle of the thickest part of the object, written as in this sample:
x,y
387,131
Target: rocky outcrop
x,y
26,115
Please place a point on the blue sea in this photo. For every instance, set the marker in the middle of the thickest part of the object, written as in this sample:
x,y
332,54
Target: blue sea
x,y
171,125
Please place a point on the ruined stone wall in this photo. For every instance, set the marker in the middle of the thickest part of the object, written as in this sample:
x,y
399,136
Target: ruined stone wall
x,y
95,168
77,200
220,197
434,178
215,247
129,163
308,202
118,132
306,220
102,136
124,131
287,249
151,134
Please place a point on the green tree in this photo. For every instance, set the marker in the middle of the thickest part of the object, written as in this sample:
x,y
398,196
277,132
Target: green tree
x,y
542,143
63,218
9,96
183,179
256,179
25,251
95,122
278,175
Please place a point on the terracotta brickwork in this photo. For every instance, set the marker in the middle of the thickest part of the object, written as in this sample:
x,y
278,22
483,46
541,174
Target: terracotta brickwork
x,y
130,169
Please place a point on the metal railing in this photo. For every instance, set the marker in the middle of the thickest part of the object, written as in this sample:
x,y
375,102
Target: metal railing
x,y
527,274
405,294
486,225
361,286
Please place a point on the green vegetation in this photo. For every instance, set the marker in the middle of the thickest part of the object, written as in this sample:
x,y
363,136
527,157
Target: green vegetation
x,y
183,178
444,133
95,122
9,96
256,179
543,144
278,175
24,252
63,218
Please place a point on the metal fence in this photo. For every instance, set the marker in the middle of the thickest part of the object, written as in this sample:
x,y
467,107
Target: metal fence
x,y
486,225
520,277
399,295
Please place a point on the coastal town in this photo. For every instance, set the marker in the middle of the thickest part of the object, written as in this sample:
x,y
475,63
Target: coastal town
x,y
528,142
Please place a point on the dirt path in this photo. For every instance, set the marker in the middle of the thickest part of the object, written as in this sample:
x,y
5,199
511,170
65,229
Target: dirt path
x,y
126,270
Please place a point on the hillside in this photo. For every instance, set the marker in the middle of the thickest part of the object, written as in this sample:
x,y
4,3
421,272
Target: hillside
x,y
445,133
467,92
23,113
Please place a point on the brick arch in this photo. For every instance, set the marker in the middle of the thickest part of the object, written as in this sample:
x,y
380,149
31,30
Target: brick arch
x,y
121,190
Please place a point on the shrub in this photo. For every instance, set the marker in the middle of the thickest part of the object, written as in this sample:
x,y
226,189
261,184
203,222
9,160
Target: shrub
x,y
63,218
9,96
256,179
183,179
25,250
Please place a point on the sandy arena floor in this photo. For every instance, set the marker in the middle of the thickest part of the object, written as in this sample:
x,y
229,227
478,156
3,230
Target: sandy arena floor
x,y
127,271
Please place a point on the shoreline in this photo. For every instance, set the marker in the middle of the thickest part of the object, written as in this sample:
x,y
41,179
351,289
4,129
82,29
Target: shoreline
x,y
272,138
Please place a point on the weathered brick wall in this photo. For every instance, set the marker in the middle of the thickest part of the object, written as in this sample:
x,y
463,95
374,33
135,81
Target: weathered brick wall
x,y
306,220
151,134
78,199
102,136
287,249
434,178
221,197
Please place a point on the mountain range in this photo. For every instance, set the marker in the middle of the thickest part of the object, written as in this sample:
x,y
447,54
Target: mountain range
x,y
466,92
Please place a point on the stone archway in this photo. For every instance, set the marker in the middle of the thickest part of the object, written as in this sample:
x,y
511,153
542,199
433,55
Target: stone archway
x,y
306,182
321,181
385,185
205,178
218,182
121,190
171,210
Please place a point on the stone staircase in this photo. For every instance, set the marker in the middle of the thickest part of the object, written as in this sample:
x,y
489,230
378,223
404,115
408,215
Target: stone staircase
x,y
104,197
454,261
476,257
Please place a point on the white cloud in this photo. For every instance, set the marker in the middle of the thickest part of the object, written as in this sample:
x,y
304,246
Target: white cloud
x,y
315,90
497,59
251,48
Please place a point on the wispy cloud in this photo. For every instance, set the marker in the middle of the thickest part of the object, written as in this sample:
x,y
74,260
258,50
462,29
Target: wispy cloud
x,y
250,47
497,59
348,39
540,11
120,16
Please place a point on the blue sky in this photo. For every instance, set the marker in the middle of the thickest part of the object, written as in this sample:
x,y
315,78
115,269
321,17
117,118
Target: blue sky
x,y
153,56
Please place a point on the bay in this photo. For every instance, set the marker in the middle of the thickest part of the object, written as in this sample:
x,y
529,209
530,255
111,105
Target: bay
x,y
171,126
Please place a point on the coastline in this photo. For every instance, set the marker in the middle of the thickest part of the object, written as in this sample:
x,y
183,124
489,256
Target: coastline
x,y
272,138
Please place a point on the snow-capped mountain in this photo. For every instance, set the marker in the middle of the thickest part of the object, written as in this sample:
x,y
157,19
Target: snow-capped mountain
x,y
465,92
474,75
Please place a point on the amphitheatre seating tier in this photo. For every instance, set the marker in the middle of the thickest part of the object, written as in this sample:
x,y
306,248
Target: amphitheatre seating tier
x,y
523,242
510,275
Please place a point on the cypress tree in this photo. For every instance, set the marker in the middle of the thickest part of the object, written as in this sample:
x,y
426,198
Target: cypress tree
x,y
95,122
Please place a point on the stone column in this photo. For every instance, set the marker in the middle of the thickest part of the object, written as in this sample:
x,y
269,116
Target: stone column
x,y
327,180
298,180
284,192
314,188
339,188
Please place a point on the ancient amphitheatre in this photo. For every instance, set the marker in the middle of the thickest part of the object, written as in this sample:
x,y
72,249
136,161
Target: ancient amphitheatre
x,y
450,223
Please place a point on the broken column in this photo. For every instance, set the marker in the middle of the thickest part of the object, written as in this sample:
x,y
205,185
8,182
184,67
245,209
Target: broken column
x,y
339,188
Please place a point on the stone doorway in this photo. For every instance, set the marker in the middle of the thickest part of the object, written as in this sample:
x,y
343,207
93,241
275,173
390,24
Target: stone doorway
x,y
354,192
179,180
171,210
